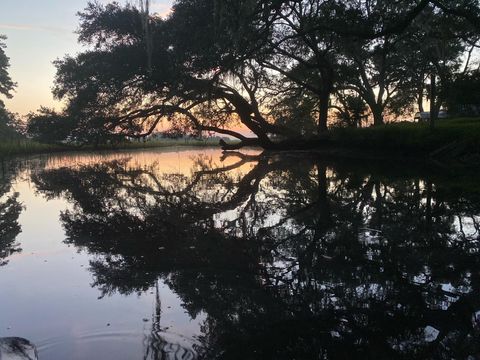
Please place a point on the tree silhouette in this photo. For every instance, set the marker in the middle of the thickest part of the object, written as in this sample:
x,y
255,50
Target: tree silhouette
x,y
253,63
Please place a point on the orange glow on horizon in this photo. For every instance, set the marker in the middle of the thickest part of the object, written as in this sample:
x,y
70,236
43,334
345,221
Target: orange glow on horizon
x,y
172,160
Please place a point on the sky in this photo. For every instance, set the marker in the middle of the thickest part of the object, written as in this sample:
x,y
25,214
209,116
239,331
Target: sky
x,y
40,31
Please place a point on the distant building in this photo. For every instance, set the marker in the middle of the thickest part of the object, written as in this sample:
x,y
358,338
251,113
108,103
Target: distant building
x,y
425,115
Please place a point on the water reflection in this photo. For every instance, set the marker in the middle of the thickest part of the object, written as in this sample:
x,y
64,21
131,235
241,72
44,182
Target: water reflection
x,y
10,209
289,257
160,344
17,349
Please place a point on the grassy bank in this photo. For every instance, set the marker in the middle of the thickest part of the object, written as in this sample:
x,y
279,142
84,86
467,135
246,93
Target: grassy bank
x,y
27,147
451,139
169,143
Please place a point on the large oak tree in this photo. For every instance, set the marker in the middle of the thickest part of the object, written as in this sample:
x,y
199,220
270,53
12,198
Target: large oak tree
x,y
213,66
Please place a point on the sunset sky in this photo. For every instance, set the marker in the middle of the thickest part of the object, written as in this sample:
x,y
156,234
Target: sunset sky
x,y
40,31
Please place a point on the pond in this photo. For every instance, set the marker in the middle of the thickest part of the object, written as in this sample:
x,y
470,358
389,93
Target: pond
x,y
196,254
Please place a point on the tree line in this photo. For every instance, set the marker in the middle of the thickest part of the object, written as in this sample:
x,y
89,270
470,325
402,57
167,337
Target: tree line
x,y
284,70
8,121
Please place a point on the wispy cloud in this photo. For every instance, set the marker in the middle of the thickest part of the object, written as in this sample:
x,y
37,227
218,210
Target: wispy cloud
x,y
24,27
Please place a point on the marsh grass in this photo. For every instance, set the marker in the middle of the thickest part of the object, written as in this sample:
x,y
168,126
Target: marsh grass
x,y
14,147
25,147
449,135
169,143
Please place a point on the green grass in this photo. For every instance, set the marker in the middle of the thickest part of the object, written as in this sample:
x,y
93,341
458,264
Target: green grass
x,y
449,136
26,147
169,143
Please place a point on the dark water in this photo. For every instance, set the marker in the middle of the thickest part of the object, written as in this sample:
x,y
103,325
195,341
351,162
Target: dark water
x,y
191,255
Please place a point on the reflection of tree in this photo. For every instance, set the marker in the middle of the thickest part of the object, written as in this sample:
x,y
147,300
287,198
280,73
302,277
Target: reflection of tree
x,y
10,210
292,258
157,345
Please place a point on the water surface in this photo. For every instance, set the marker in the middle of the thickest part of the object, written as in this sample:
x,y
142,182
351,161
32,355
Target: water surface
x,y
194,254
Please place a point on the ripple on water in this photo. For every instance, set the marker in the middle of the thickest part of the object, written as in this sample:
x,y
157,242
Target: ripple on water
x,y
151,345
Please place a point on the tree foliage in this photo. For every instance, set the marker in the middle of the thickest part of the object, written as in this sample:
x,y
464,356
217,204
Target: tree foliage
x,y
465,100
8,121
214,65
50,127
9,124
6,83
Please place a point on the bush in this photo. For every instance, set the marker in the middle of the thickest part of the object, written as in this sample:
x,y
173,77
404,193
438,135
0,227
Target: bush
x,y
49,127
7,125
464,97
411,138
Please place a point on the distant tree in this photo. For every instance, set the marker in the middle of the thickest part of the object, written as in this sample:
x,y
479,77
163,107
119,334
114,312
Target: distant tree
x,y
351,110
372,69
440,54
464,99
6,83
296,109
8,120
48,126
10,125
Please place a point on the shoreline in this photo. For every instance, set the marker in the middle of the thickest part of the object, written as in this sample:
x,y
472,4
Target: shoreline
x,y
11,149
454,142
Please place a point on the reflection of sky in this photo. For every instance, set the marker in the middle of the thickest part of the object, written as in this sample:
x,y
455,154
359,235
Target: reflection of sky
x,y
47,296
38,33
47,293
178,160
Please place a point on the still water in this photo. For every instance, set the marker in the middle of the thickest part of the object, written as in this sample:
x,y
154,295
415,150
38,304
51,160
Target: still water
x,y
194,254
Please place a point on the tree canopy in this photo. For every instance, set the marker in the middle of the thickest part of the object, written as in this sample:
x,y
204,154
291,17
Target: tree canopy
x,y
6,83
7,86
276,68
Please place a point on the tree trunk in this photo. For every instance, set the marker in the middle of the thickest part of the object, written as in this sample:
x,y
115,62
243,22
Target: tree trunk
x,y
420,99
323,112
433,98
324,98
377,112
